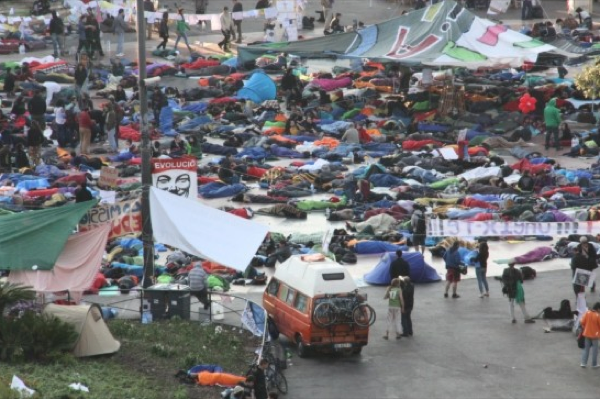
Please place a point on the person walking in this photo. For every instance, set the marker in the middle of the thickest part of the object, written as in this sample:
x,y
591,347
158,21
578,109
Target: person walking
x,y
395,309
149,7
483,253
96,41
237,20
120,27
419,228
552,120
163,31
408,299
452,260
57,33
35,139
512,286
226,29
110,124
327,14
181,28
81,33
85,131
590,325
399,267
199,285
289,86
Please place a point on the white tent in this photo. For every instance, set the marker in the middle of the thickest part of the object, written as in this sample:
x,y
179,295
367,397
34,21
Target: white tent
x,y
94,337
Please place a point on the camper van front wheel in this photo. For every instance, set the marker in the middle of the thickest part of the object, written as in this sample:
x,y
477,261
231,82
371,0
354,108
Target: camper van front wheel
x,y
300,347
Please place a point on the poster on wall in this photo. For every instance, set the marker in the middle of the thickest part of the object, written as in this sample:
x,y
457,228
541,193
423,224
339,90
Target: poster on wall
x,y
176,175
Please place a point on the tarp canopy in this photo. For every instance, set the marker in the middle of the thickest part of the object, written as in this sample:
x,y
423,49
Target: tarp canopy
x,y
94,337
260,87
204,231
76,266
420,271
34,240
444,34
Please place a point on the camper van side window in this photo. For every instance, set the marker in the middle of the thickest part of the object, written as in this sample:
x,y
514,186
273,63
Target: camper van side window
x,y
290,297
273,287
301,302
283,292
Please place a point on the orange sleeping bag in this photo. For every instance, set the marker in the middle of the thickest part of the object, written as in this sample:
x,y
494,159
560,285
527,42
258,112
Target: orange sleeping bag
x,y
207,378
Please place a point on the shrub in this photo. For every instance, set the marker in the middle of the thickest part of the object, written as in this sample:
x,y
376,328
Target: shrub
x,y
13,293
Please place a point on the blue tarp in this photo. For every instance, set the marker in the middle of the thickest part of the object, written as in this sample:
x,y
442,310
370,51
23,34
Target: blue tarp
x,y
420,271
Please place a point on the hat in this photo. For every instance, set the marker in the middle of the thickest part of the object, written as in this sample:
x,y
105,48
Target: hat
x,y
583,239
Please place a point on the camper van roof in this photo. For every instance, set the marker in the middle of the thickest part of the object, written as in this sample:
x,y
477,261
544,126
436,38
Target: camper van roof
x,y
315,278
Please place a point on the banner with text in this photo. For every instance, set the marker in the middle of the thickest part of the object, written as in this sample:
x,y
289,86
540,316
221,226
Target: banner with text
x,y
125,217
492,228
177,176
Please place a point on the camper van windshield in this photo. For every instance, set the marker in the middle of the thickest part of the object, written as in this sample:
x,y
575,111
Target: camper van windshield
x,y
333,276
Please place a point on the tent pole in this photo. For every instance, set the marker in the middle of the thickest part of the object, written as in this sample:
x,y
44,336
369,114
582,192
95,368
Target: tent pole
x,y
147,239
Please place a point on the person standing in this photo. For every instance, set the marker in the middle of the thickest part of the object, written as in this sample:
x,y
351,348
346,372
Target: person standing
x,y
408,299
395,309
327,13
289,86
110,124
149,7
452,261
57,33
158,101
85,131
226,28
237,20
483,253
260,381
419,228
351,135
590,325
35,139
181,28
60,120
399,267
552,120
199,285
163,31
526,9
120,27
590,258
9,83
512,281
96,43
37,109
81,33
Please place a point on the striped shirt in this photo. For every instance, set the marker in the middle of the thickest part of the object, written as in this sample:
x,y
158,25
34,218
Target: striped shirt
x,y
197,278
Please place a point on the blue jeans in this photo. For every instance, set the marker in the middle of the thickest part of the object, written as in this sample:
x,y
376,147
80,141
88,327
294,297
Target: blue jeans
x,y
185,39
120,40
406,322
57,42
481,279
590,343
112,139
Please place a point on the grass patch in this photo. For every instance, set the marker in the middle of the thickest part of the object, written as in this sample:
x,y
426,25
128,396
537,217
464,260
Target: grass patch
x,y
145,366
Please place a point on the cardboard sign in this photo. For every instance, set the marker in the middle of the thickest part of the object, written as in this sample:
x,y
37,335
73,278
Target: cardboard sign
x,y
108,177
125,217
177,176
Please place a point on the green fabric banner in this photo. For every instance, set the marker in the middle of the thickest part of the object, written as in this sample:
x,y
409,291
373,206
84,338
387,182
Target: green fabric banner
x,y
33,240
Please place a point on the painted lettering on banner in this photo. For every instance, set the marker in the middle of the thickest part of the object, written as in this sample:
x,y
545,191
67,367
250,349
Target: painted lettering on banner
x,y
494,228
125,218
177,176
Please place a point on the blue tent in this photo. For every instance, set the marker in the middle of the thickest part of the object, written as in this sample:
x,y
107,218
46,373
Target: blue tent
x,y
260,87
420,271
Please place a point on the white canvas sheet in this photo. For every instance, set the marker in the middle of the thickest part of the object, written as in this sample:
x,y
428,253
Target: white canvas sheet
x,y
481,173
204,231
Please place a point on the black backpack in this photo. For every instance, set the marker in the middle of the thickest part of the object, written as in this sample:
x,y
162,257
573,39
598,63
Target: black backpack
x,y
308,23
528,273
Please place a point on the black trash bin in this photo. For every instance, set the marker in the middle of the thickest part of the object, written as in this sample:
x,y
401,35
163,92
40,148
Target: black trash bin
x,y
166,303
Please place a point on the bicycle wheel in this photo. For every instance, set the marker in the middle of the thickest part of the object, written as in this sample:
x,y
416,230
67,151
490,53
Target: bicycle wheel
x,y
324,314
280,382
364,315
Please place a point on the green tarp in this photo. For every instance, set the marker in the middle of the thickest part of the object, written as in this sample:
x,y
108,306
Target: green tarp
x,y
33,240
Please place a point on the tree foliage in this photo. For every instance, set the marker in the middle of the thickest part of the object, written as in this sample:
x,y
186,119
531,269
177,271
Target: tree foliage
x,y
588,81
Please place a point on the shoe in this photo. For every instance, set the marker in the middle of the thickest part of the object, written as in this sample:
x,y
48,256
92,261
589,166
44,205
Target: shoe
x,y
455,296
406,335
398,336
487,294
220,45
529,321
207,305
120,55
596,366
446,295
514,321
583,366
482,295
385,337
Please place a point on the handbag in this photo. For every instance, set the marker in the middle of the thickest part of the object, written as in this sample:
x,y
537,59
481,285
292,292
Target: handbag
x,y
580,340
462,269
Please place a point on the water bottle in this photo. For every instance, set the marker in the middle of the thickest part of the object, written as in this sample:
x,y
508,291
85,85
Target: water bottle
x,y
312,188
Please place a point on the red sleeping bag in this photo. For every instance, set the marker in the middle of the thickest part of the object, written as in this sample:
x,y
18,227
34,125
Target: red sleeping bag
x,y
256,172
47,192
76,178
200,63
571,190
204,180
416,145
127,132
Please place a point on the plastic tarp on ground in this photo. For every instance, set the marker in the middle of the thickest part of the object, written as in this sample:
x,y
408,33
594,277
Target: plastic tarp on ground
x,y
420,271
444,33
33,240
76,266
204,231
260,87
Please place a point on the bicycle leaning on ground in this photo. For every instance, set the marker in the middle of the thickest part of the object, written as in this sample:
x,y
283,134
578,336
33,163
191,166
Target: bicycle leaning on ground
x,y
274,377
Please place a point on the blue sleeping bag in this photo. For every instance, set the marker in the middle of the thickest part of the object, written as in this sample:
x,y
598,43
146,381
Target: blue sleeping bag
x,y
32,184
220,190
254,153
217,149
377,247
384,180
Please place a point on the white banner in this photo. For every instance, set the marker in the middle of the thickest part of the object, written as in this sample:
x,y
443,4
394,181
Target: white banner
x,y
494,228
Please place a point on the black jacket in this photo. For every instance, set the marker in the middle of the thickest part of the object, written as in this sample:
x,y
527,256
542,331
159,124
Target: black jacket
x,y
408,295
35,137
398,268
37,105
80,76
57,26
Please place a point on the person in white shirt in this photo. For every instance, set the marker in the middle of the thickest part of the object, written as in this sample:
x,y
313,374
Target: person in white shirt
x,y
351,135
60,119
226,29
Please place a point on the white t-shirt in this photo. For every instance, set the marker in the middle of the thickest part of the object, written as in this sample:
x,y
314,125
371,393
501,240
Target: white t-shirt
x,y
51,89
60,116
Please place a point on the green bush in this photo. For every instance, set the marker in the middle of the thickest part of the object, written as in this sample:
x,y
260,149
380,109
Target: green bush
x,y
13,293
35,337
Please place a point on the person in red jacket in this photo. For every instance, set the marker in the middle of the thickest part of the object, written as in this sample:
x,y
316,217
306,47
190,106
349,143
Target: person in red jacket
x,y
85,131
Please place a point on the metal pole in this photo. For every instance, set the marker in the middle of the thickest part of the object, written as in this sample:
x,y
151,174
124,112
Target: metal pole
x,y
147,239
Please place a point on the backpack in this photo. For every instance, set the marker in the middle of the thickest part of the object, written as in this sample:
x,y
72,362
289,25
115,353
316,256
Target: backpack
x,y
528,272
308,23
